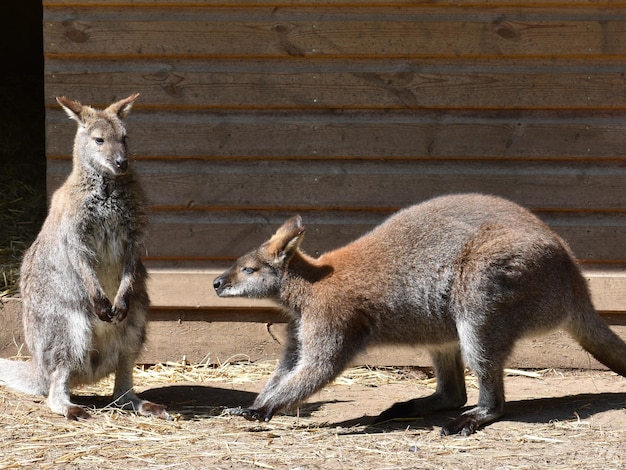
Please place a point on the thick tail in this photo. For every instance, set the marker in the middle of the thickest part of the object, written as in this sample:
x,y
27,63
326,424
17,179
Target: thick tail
x,y
593,334
21,376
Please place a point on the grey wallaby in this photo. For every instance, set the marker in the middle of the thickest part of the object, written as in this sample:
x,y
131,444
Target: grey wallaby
x,y
82,281
465,276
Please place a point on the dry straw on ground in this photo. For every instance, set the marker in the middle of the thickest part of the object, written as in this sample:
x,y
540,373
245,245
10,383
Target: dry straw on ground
x,y
200,436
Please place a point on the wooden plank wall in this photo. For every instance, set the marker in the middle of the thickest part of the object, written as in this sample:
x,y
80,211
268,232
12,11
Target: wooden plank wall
x,y
343,111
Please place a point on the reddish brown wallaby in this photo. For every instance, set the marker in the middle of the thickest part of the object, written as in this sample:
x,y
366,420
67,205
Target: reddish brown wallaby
x,y
82,281
464,276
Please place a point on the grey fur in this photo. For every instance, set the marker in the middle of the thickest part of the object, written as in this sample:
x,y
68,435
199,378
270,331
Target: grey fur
x,y
464,276
82,281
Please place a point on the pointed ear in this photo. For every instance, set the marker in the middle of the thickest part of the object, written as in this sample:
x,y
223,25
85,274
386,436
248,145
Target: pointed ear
x,y
122,107
286,240
71,108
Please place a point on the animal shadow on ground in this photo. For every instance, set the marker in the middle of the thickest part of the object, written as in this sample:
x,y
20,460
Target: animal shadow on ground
x,y
532,411
187,400
193,401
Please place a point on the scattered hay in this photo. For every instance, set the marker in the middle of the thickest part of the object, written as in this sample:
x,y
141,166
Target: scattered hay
x,y
33,436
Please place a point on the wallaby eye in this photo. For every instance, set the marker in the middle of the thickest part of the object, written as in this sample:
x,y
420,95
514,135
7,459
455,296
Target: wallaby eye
x,y
99,140
248,270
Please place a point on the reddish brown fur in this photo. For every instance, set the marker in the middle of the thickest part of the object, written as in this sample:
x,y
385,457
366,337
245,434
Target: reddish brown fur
x,y
464,276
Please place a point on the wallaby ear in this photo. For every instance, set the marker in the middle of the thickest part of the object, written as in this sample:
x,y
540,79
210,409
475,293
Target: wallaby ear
x,y
71,108
286,240
122,107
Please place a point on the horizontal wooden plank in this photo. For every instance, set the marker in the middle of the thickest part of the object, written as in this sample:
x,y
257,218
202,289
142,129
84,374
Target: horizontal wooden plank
x,y
215,338
346,135
220,342
407,88
329,4
382,185
186,289
349,31
202,236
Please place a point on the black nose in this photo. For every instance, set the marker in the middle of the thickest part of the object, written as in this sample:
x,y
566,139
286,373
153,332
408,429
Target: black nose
x,y
121,163
217,283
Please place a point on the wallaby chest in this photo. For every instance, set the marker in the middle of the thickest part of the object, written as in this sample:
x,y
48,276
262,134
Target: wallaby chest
x,y
113,218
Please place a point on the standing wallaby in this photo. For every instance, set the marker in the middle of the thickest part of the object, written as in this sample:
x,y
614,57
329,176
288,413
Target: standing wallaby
x,y
82,281
463,275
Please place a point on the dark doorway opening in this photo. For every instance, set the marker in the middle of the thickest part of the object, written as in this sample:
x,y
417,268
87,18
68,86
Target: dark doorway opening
x,y
22,135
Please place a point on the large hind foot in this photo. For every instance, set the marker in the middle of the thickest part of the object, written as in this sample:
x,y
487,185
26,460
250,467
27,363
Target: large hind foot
x,y
132,402
250,414
75,412
470,421
148,408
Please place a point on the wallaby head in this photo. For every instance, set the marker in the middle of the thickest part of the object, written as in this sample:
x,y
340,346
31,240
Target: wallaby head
x,y
257,274
101,141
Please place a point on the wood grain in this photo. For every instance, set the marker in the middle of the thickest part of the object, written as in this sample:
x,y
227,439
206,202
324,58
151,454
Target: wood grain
x,y
346,30
353,89
236,135
196,335
344,112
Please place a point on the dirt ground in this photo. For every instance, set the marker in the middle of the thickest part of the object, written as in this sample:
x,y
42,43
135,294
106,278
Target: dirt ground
x,y
558,419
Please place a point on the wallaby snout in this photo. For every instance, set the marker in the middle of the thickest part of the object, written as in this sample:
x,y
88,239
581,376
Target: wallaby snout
x,y
121,163
218,285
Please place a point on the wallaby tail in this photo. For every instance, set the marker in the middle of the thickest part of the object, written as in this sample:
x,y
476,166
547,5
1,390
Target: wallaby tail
x,y
21,376
593,334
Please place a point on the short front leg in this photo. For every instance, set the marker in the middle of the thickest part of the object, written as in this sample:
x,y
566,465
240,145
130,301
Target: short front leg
x,y
294,387
319,362
102,307
120,307
290,355
288,362
133,272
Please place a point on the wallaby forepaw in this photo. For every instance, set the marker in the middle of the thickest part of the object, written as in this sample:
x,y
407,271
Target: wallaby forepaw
x,y
103,308
249,413
118,314
75,412
120,309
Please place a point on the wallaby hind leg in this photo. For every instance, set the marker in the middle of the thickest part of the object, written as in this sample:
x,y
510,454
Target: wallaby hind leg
x,y
486,361
449,395
124,395
59,395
